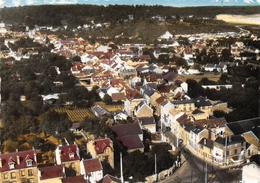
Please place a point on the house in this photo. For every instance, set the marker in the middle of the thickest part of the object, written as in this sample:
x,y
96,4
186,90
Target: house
x,y
166,36
252,143
251,171
219,105
119,115
143,110
126,71
170,77
156,100
51,174
147,90
91,169
196,133
153,78
205,148
103,48
165,108
99,111
130,135
229,150
147,123
118,97
202,103
198,114
210,67
68,156
86,58
133,98
101,148
216,127
187,106
109,179
180,126
124,54
18,167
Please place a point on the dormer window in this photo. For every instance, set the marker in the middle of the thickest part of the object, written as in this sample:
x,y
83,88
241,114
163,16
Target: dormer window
x,y
71,155
29,162
11,165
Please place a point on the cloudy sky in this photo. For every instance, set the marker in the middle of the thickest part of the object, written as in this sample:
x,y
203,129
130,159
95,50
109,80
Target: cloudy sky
x,y
176,3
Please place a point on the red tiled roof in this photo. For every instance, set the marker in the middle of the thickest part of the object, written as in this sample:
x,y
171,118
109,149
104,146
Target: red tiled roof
x,y
207,142
132,94
115,82
153,77
51,172
92,165
101,144
182,118
147,120
131,142
65,152
164,88
170,76
160,99
18,163
127,129
109,179
76,179
118,96
212,123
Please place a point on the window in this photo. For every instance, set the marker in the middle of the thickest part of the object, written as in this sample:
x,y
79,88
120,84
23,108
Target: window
x,y
30,172
227,153
248,152
29,162
71,155
5,176
11,165
22,173
235,151
31,180
13,175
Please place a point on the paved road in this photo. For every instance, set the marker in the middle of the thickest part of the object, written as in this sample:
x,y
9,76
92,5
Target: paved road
x,y
193,170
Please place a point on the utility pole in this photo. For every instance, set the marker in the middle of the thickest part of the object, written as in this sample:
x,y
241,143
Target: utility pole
x,y
206,174
225,158
121,168
191,176
155,167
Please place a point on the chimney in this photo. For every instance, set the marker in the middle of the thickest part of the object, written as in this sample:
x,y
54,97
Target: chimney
x,y
18,160
209,135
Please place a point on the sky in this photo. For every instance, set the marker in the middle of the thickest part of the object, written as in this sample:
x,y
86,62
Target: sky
x,y
175,3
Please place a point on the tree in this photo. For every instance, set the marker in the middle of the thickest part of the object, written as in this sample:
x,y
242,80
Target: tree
x,y
54,123
107,99
10,146
163,156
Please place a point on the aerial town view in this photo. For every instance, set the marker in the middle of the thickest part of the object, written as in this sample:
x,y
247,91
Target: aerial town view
x,y
129,91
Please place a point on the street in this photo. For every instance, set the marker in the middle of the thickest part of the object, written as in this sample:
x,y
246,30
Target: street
x,y
195,170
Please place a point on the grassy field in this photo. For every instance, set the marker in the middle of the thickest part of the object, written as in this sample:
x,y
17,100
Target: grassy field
x,y
109,108
76,114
